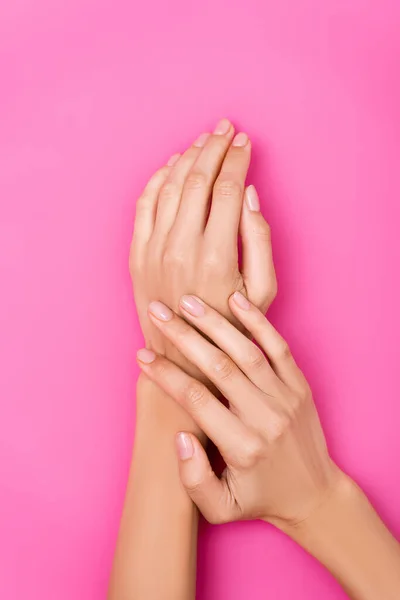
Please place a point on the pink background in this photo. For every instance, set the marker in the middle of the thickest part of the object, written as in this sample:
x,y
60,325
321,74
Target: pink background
x,y
95,96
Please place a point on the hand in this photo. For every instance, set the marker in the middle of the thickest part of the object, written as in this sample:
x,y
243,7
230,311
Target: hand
x,y
186,234
278,467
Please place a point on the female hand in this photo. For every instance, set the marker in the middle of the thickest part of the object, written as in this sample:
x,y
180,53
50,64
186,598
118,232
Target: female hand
x,y
278,467
186,234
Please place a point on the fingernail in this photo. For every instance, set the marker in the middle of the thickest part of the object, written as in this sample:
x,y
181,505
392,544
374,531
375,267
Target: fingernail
x,y
160,311
174,158
185,446
240,139
252,199
145,356
241,301
201,140
192,306
222,127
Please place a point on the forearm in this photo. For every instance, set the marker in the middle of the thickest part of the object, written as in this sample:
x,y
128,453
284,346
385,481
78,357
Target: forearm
x,y
156,550
347,536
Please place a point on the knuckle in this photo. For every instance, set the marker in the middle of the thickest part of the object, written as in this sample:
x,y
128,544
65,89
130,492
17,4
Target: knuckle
x,y
268,295
143,201
168,191
173,257
195,395
280,426
283,351
251,452
196,180
255,360
213,264
160,369
144,206
273,290
228,188
159,177
296,404
212,258
263,231
183,334
223,367
193,485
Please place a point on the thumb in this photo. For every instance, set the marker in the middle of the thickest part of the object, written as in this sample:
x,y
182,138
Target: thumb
x,y
257,263
211,495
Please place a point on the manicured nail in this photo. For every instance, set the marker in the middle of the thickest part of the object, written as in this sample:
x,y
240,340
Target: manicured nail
x,y
192,306
252,199
222,127
241,301
174,159
240,139
145,356
185,446
201,140
160,311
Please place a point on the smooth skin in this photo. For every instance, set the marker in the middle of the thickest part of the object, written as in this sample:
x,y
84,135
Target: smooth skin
x,y
185,240
186,234
277,463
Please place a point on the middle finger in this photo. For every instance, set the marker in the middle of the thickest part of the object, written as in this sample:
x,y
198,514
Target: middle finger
x,y
194,206
245,354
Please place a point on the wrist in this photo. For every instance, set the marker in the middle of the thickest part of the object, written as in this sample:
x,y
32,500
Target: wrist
x,y
346,535
156,411
343,495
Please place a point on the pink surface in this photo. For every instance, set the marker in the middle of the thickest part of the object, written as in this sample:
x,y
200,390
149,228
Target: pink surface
x,y
95,96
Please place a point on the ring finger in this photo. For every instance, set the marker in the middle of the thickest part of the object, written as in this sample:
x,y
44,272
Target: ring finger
x,y
170,194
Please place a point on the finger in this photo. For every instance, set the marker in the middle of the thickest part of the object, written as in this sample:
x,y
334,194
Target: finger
x,y
214,363
171,191
273,344
218,423
194,206
257,262
226,205
244,353
146,208
212,496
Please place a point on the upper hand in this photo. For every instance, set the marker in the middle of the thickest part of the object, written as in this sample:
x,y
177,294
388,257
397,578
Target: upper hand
x,y
278,466
186,234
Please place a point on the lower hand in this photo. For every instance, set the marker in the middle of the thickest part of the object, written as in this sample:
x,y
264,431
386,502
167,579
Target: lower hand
x,y
278,466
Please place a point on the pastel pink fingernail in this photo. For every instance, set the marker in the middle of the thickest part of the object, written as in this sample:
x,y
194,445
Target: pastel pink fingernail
x,y
252,199
222,127
201,140
160,311
185,446
192,306
174,159
240,139
145,356
241,301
